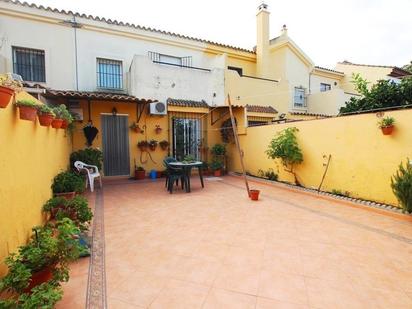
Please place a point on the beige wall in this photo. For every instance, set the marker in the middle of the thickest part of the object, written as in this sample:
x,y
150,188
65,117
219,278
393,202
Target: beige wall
x,y
30,157
363,159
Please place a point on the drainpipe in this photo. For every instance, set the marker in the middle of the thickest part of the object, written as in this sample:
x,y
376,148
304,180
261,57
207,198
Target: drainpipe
x,y
75,26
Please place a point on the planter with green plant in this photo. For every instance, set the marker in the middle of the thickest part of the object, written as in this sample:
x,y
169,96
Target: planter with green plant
x,y
58,119
8,86
45,258
158,129
91,156
67,184
216,167
139,173
284,146
45,114
218,150
66,116
76,209
143,145
27,109
387,125
189,159
164,144
152,144
401,184
135,127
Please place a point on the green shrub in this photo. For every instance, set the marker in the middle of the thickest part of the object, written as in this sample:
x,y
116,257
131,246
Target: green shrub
x,y
269,174
216,165
285,147
68,182
401,184
27,102
218,150
340,192
90,156
386,122
44,109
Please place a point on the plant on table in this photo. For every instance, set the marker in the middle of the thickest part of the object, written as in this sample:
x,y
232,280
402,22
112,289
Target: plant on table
x,y
401,184
27,109
285,147
386,125
91,156
68,182
189,159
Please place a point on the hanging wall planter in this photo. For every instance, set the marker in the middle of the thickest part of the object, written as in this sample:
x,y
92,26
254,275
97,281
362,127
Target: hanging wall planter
x,y
90,132
158,129
153,144
57,123
135,127
164,144
27,109
45,115
143,145
5,96
387,125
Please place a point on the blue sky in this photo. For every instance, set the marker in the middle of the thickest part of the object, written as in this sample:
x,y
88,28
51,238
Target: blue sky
x,y
361,31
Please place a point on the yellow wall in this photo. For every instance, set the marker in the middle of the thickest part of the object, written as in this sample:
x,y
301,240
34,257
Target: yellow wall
x,y
363,159
30,156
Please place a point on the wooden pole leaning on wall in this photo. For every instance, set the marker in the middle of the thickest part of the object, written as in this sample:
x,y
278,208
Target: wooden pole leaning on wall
x,y
234,128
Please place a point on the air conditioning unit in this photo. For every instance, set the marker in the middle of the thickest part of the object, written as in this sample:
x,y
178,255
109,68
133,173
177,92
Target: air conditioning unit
x,y
158,108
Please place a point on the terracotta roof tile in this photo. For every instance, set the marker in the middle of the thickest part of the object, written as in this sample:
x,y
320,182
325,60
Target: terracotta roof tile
x,y
310,114
398,69
330,70
187,103
124,24
261,109
94,95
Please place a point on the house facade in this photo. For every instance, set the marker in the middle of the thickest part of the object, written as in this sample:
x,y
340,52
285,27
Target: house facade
x,y
117,75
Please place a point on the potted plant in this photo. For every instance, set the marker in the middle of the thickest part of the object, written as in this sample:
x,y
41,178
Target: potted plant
x,y
254,194
45,114
139,173
57,122
164,144
43,259
8,87
27,109
135,127
76,209
67,184
158,129
216,167
66,116
92,156
143,145
152,144
387,125
218,150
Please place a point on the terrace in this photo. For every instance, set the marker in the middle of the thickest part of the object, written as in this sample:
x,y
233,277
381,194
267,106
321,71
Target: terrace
x,y
214,248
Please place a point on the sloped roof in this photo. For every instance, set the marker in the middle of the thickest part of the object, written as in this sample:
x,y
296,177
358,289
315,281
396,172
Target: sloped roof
x,y
94,95
396,71
261,109
124,24
327,69
187,103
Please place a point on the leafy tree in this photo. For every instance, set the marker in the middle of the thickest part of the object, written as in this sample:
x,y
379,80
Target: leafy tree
x,y
285,147
401,184
384,93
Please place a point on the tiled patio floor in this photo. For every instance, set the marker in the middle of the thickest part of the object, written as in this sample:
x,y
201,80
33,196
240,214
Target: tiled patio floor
x,y
214,248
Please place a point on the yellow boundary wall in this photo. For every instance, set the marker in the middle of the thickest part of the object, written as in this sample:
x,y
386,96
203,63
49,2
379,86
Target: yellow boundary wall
x,y
363,159
30,156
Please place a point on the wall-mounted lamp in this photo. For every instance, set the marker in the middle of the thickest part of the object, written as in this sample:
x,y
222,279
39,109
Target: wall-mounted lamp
x,y
114,111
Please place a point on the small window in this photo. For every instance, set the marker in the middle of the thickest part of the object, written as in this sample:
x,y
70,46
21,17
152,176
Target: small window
x,y
299,99
238,70
109,74
29,63
324,87
170,59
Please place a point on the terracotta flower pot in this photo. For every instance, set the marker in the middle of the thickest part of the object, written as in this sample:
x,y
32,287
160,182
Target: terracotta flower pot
x,y
387,130
158,130
217,173
254,194
5,96
57,123
66,195
139,175
40,277
152,147
45,120
28,113
65,124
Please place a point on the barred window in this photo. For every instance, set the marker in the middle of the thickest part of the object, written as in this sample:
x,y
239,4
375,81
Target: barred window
x,y
109,74
29,63
324,87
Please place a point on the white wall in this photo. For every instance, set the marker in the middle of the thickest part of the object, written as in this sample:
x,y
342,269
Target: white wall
x,y
159,81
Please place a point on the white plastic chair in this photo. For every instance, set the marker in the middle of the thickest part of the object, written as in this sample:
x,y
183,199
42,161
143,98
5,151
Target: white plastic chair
x,y
91,171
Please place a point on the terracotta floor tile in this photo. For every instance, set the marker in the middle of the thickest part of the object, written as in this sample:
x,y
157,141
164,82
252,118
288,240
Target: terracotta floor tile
x,y
266,303
223,299
179,294
196,270
238,279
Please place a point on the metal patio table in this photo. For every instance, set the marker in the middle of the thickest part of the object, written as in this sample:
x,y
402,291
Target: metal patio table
x,y
187,167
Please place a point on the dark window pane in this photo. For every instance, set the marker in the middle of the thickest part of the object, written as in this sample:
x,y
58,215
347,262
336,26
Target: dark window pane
x,y
29,63
109,74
